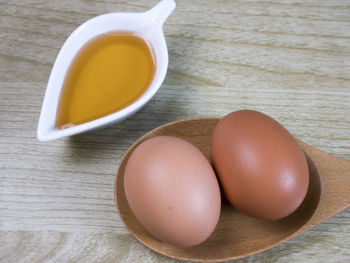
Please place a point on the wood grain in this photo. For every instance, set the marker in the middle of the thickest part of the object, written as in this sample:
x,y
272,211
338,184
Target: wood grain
x,y
289,59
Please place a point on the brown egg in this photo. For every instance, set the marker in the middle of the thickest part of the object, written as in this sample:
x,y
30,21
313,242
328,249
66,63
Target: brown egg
x,y
172,190
262,169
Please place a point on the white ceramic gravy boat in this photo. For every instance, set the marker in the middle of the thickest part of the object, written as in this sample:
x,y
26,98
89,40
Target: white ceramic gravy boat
x,y
148,25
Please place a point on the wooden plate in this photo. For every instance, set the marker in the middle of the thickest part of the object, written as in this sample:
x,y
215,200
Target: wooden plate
x,y
236,234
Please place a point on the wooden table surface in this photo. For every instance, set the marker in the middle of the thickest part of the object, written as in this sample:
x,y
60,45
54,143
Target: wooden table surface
x,y
288,59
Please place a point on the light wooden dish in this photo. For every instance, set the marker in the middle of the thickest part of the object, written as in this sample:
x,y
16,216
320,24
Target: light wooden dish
x,y
237,235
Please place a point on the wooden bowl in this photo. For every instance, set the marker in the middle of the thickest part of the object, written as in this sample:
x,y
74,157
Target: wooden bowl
x,y
236,234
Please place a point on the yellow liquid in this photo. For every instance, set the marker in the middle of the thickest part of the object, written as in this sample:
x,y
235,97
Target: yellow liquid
x,y
109,73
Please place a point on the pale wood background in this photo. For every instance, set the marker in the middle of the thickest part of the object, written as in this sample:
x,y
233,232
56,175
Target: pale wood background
x,y
289,59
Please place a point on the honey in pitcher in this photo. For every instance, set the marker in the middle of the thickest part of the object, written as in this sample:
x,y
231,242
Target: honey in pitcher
x,y
109,73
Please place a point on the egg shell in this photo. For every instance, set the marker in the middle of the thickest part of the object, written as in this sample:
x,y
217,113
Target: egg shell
x,y
262,169
172,190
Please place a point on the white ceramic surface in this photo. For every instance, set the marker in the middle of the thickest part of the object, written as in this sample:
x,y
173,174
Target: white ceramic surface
x,y
148,25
